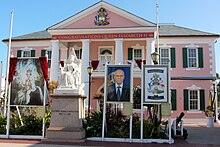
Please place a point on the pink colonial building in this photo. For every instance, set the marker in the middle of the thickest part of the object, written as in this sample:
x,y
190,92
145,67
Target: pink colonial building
x,y
104,32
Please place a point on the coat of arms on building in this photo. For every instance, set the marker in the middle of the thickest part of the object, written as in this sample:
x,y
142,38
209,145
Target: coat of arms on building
x,y
101,18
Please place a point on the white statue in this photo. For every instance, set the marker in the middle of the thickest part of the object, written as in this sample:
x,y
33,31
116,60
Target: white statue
x,y
70,73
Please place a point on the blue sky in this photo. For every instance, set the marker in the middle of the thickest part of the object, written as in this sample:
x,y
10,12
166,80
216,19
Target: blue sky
x,y
35,15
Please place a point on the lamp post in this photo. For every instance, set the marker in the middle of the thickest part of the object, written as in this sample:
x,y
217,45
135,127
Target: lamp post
x,y
215,99
155,57
89,70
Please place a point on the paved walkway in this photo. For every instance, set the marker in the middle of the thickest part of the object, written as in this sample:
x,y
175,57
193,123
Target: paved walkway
x,y
199,135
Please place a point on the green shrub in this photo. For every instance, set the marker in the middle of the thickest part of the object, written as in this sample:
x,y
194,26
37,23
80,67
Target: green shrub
x,y
93,126
117,126
32,124
3,123
146,129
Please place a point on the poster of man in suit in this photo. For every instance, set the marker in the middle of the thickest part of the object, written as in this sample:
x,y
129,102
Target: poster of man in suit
x,y
118,83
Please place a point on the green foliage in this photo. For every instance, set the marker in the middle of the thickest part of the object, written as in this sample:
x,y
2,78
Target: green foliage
x,y
146,129
117,126
28,124
93,126
2,125
47,117
32,125
137,97
209,111
149,130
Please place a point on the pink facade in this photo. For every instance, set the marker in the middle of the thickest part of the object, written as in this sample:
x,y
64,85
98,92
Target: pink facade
x,y
179,70
195,79
36,48
116,21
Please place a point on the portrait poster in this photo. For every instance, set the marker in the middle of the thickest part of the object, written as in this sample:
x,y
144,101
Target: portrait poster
x,y
155,84
27,86
118,84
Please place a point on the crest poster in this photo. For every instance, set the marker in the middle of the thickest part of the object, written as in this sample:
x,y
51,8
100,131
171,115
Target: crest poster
x,y
156,84
27,87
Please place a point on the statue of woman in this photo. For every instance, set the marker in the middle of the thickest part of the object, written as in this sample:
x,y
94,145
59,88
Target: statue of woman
x,y
70,72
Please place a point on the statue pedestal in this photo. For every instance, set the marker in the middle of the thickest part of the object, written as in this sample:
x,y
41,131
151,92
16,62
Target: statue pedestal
x,y
66,90
66,118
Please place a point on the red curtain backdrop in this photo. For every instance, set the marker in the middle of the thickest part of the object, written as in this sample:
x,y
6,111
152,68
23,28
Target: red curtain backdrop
x,y
139,62
62,63
44,67
13,63
95,64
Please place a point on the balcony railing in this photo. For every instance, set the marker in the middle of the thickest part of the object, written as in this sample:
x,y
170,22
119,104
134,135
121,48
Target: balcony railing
x,y
99,65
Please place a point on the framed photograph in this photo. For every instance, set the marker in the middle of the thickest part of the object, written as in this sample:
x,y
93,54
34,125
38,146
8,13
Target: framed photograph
x,y
156,84
27,86
118,84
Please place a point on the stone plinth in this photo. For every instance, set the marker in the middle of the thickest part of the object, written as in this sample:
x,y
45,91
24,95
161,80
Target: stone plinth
x,y
66,118
66,90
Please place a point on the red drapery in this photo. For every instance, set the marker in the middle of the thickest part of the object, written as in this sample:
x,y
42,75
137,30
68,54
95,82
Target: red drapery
x,y
95,64
13,63
44,67
139,62
62,63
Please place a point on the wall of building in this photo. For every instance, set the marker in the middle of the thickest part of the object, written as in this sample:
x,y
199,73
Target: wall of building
x,y
179,85
180,71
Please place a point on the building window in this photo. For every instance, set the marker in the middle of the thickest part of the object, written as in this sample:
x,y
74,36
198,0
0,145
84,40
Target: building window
x,y
193,100
49,54
164,56
26,53
105,54
192,57
137,54
78,53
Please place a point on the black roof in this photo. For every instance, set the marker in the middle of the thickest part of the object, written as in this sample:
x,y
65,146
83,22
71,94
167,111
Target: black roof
x,y
177,31
41,35
166,30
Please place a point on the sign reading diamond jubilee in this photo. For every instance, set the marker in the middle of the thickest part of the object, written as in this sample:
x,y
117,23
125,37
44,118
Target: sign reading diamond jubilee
x,y
156,84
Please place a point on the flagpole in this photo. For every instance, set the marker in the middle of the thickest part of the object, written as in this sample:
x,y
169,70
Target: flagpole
x,y
8,60
157,23
0,78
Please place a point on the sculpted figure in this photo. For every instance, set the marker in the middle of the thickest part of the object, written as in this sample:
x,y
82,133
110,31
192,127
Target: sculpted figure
x,y
70,73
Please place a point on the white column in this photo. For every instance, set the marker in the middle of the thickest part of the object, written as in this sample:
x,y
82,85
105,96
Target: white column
x,y
63,54
150,48
118,51
54,60
85,64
